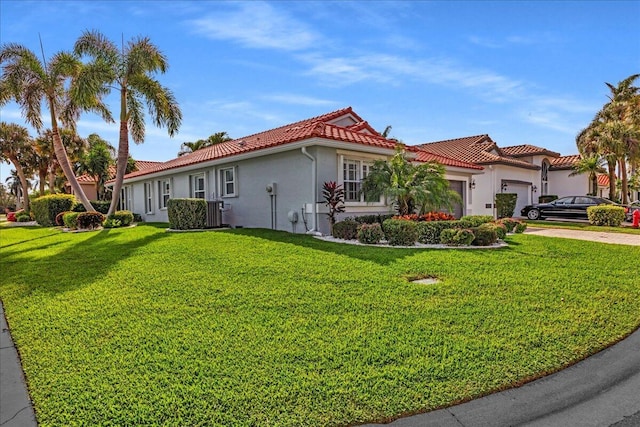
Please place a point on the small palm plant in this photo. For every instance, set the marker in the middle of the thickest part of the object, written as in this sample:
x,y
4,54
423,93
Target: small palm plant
x,y
333,195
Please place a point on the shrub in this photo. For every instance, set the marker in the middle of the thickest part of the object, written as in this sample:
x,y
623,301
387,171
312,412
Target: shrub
x,y
70,220
347,229
187,214
506,204
370,233
46,208
137,217
509,223
485,235
547,198
60,218
520,227
101,206
111,223
11,216
457,236
90,220
470,221
124,217
606,215
23,217
429,216
429,231
500,228
400,232
372,219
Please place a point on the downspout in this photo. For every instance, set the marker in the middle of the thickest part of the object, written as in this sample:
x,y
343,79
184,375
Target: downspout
x,y
493,191
314,190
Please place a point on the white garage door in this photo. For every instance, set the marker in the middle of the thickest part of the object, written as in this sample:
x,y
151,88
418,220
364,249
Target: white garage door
x,y
522,190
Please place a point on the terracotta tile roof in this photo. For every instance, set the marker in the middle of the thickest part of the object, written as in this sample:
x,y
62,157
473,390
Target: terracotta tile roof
x,y
528,150
140,165
360,132
425,156
479,149
564,162
603,180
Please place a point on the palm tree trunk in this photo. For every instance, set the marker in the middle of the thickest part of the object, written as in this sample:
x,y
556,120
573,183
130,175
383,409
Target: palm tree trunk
x,y
63,161
611,165
594,184
625,181
23,183
123,153
42,179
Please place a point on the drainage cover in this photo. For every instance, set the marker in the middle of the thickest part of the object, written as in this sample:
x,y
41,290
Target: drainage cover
x,y
426,281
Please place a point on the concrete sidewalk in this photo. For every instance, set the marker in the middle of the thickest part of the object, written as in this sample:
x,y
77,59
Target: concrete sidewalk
x,y
593,236
16,409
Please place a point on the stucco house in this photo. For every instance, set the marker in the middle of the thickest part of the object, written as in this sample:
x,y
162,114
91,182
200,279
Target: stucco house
x,y
527,170
273,179
88,182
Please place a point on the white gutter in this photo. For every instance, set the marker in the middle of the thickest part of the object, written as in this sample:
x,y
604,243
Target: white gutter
x,y
314,190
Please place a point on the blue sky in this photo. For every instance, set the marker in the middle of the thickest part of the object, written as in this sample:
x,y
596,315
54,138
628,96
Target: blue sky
x,y
522,72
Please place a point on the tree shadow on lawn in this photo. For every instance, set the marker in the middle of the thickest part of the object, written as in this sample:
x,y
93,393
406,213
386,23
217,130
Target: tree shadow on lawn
x,y
379,255
77,264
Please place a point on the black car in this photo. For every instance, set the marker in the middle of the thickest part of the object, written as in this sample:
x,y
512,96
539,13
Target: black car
x,y
564,207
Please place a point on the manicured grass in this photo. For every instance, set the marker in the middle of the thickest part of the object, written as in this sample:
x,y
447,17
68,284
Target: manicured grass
x,y
627,229
255,327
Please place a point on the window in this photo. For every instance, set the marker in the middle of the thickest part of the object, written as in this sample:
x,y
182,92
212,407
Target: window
x,y
164,193
148,197
544,176
228,182
125,203
353,172
197,186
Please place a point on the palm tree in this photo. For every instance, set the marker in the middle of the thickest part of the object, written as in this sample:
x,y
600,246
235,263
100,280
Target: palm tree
x,y
29,82
46,164
96,162
216,138
409,186
16,147
131,70
592,165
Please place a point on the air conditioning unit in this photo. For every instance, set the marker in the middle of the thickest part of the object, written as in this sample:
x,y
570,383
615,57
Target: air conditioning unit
x,y
214,214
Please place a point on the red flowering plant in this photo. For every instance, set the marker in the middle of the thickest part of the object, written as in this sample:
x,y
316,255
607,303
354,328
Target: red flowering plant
x,y
429,216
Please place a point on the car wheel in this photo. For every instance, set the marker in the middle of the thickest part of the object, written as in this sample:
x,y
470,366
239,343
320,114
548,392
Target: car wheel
x,y
533,214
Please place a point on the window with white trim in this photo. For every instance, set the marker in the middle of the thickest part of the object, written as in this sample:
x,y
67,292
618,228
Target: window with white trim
x,y
164,193
197,186
228,182
353,172
125,203
148,197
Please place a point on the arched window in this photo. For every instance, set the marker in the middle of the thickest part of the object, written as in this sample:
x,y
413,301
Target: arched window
x,y
544,176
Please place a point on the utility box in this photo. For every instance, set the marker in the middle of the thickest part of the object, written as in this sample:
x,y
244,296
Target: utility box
x,y
214,213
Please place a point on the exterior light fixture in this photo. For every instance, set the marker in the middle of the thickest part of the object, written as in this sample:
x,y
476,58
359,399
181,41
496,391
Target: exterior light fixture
x,y
503,187
472,184
534,188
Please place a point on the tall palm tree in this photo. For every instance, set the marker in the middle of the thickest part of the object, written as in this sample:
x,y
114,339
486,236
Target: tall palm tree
x,y
592,165
96,162
131,69
29,82
46,164
216,138
16,147
409,186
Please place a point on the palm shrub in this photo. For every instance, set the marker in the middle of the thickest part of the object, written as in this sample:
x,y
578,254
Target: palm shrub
x,y
370,233
608,215
90,220
400,232
409,186
506,204
46,208
187,214
347,229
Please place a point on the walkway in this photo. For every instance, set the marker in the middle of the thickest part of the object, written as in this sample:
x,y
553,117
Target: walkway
x,y
593,236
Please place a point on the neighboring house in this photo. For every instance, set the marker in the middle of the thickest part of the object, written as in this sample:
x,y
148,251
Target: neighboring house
x,y
88,183
270,178
527,170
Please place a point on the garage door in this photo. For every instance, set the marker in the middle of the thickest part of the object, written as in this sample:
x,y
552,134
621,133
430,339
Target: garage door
x,y
522,190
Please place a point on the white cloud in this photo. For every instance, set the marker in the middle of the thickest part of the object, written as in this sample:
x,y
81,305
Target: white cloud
x,y
256,25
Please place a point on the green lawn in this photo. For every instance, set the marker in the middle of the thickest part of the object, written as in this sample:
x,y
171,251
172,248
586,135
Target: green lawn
x,y
254,327
627,229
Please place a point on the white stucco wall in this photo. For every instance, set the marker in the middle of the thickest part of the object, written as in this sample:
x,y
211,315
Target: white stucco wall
x,y
489,184
561,184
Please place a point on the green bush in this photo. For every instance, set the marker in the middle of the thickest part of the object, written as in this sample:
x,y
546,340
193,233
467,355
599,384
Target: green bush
x,y
429,231
457,236
547,198
23,217
347,229
520,227
485,235
89,220
608,215
60,218
370,233
46,208
470,221
500,228
111,223
124,217
400,232
506,204
187,214
372,219
509,223
70,220
137,217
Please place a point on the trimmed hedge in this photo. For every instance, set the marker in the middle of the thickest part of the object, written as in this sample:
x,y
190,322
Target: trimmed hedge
x,y
125,218
429,231
608,215
187,214
346,230
46,208
23,217
372,219
485,235
457,236
400,232
71,220
101,206
506,204
470,221
370,233
90,220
